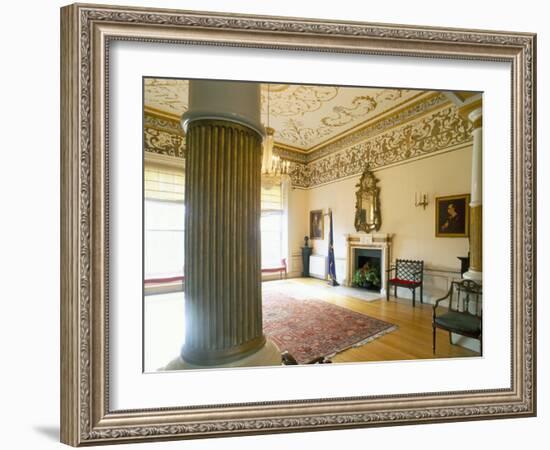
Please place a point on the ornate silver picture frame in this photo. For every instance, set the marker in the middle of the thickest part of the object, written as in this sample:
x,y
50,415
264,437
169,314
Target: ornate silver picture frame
x,y
87,34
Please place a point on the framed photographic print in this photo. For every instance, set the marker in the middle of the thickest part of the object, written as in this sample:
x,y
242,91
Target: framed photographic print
x,y
316,224
452,216
193,162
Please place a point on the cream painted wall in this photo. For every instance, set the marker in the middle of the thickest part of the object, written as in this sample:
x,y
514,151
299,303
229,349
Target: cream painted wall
x,y
413,227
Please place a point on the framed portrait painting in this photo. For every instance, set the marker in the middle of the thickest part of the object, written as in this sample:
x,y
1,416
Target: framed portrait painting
x,y
316,224
190,160
452,216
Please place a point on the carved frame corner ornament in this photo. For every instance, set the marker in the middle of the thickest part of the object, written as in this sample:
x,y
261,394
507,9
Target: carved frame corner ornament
x,y
86,34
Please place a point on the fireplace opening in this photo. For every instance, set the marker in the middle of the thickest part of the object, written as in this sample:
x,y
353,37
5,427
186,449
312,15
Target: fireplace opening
x,y
367,272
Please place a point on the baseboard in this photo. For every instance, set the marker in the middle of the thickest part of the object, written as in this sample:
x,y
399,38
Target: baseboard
x,y
466,342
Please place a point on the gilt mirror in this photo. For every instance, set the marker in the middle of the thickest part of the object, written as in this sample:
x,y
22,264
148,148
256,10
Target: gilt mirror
x,y
367,203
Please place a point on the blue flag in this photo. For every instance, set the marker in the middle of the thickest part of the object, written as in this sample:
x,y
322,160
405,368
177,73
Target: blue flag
x,y
331,261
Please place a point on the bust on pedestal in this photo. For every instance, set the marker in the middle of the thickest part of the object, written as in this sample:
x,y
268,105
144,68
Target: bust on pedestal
x,y
464,264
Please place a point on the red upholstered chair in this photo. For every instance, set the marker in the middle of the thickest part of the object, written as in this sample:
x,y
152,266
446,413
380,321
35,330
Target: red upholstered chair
x,y
406,274
281,269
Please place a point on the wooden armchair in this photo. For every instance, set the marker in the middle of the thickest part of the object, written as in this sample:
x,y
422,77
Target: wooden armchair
x,y
463,313
408,274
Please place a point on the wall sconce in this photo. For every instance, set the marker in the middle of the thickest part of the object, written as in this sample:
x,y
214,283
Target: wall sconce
x,y
421,199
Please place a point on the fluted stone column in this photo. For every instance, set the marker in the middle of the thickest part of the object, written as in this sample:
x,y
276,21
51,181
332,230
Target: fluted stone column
x,y
476,223
223,299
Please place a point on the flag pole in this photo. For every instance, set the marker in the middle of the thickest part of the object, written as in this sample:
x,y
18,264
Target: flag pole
x,y
331,260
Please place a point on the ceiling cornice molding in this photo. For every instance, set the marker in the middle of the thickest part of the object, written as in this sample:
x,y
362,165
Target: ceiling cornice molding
x,y
163,136
418,107
413,111
418,98
424,127
443,129
161,114
466,102
463,146
290,154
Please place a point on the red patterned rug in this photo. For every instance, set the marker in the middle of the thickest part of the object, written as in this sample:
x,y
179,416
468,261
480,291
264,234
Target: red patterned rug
x,y
310,328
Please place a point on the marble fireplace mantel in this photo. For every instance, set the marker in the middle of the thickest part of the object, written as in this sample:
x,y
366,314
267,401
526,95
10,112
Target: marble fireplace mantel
x,y
375,241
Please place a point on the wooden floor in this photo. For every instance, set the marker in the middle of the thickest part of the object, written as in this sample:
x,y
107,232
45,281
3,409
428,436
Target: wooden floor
x,y
412,339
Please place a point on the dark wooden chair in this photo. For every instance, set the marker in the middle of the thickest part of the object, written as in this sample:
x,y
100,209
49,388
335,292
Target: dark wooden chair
x,y
408,274
463,312
288,360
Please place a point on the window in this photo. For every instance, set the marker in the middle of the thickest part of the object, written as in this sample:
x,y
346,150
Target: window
x,y
164,239
271,225
164,222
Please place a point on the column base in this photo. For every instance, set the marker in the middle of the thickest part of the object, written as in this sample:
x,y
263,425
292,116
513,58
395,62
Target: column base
x,y
268,355
473,275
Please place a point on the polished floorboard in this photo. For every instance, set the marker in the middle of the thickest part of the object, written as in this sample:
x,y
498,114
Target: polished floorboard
x,y
412,339
164,324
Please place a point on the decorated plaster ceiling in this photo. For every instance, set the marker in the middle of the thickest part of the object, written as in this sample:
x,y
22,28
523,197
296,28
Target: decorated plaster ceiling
x,y
304,117
166,95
